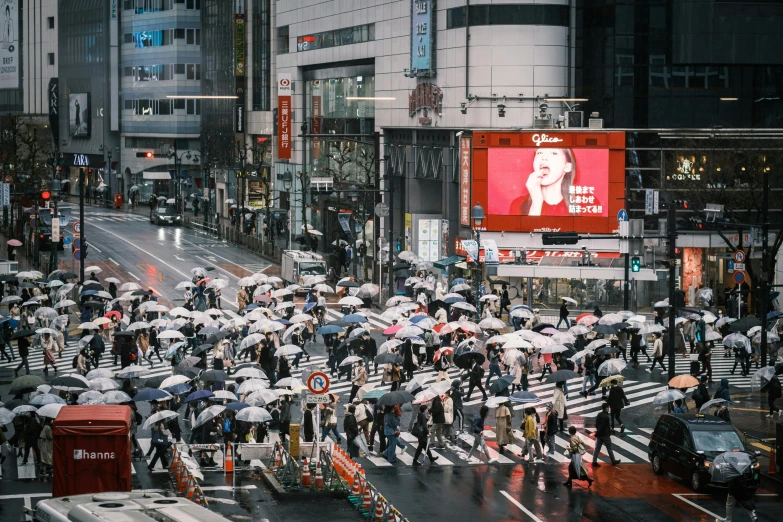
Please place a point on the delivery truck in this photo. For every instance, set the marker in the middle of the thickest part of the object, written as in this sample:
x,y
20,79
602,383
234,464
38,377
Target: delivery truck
x,y
297,265
136,506
92,450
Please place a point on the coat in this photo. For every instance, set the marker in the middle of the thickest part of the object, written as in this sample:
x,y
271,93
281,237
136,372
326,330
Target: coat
x,y
617,399
448,410
559,402
360,376
407,358
441,317
503,427
438,415
723,390
45,446
350,427
529,427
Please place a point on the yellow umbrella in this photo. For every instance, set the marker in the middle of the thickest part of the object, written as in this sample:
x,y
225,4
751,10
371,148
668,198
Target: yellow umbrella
x,y
611,380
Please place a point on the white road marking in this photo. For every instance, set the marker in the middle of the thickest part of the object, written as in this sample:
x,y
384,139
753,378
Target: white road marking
x,y
113,261
694,504
134,276
520,506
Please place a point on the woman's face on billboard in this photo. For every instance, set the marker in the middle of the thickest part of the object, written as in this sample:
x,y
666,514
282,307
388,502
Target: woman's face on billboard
x,y
552,164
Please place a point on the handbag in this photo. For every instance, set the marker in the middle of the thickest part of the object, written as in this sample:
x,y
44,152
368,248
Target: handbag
x,y
417,431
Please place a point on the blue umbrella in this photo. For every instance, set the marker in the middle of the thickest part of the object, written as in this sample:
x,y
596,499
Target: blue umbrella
x,y
416,318
179,389
524,397
13,323
526,307
454,299
284,321
353,318
330,329
172,350
236,406
199,395
250,307
151,394
309,306
89,292
458,281
774,314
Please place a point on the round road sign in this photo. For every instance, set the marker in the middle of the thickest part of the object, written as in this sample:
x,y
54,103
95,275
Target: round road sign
x,y
318,383
382,210
77,254
33,222
77,243
67,240
77,226
739,277
739,256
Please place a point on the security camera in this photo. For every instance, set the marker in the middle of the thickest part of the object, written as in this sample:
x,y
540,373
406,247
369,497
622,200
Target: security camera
x,y
584,247
543,107
460,133
501,110
463,108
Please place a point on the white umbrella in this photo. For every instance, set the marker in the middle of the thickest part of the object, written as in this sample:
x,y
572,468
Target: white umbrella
x,y
225,395
249,372
103,384
185,285
323,288
350,301
289,382
93,270
64,303
46,398
262,397
138,325
91,397
253,414
464,306
102,321
100,373
129,287
89,326
112,280
301,318
350,360
368,290
568,300
207,415
611,367
173,381
116,397
157,417
397,299
494,402
50,410
409,331
555,348
252,385
171,334
667,396
288,349
132,372
492,323
218,284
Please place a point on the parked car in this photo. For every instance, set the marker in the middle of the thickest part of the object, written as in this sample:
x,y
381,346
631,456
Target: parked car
x,y
165,215
684,444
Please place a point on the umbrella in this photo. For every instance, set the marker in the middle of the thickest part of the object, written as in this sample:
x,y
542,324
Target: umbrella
x,y
398,397
291,349
683,381
568,300
492,323
605,329
173,381
714,402
667,396
579,329
388,358
14,243
762,377
186,364
350,360
236,406
465,360
151,394
409,331
91,397
652,328
131,372
225,395
213,375
607,350
464,306
554,348
250,372
171,334
262,396
501,384
159,416
611,367
103,384
729,465
46,398
744,324
253,414
736,341
116,397
494,402
26,383
207,415
6,417
289,382
22,333
562,375
21,410
350,301
251,385
524,397
609,381
71,381
50,410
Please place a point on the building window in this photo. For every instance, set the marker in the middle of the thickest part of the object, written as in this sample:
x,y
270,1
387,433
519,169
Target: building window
x,y
142,39
262,59
509,14
193,107
193,71
51,58
336,38
193,4
50,20
151,73
282,40
193,36
147,6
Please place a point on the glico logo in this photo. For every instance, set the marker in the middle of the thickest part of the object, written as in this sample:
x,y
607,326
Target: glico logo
x,y
79,454
538,139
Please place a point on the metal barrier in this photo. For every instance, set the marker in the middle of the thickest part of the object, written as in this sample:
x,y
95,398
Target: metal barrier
x,y
197,223
378,509
184,472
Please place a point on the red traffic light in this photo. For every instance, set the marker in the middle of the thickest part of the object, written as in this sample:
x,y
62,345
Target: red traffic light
x,y
149,155
46,195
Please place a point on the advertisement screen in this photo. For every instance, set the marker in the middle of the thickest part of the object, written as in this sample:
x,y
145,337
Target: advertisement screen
x,y
79,115
548,181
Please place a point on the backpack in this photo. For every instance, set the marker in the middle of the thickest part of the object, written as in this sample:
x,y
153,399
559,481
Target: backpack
x,y
226,426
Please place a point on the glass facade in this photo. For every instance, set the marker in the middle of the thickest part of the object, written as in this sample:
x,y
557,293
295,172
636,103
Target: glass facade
x,y
522,14
262,56
680,63
336,38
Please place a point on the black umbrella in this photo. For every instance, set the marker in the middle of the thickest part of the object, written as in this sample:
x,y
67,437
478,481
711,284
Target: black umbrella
x,y
94,304
93,285
202,348
215,337
155,382
401,266
141,293
186,364
124,334
22,333
214,375
7,278
607,350
606,329
501,384
562,375
538,328
396,397
14,403
349,284
69,381
388,358
498,282
25,384
64,276
593,304
465,360
744,324
26,285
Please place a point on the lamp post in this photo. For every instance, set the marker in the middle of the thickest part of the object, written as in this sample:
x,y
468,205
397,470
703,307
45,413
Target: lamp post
x,y
477,216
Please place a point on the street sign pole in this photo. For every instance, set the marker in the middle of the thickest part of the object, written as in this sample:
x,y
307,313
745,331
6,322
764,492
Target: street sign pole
x,y
672,226
81,220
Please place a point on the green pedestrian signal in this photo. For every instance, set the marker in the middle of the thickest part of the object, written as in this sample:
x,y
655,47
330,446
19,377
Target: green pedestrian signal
x,y
636,264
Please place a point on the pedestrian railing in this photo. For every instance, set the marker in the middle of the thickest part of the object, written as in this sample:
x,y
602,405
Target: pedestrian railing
x,y
370,503
200,224
185,474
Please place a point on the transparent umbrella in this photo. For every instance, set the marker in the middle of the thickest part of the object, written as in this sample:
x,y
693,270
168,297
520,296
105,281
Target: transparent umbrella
x,y
611,367
667,396
729,465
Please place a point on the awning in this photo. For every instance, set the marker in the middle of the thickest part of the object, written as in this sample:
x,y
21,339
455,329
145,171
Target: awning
x,y
574,272
446,262
157,175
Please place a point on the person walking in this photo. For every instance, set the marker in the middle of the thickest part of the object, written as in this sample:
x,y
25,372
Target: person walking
x,y
740,494
723,391
422,433
448,414
285,417
459,416
438,420
617,401
577,470
351,429
701,394
377,427
493,355
49,347
32,432
705,357
477,428
563,315
603,435
441,366
589,375
774,392
329,420
45,447
475,376
559,403
657,354
503,420
160,441
23,347
530,432
391,430
550,429
359,379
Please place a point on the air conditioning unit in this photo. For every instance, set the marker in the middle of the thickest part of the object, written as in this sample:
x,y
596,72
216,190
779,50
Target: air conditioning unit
x,y
543,123
574,119
595,123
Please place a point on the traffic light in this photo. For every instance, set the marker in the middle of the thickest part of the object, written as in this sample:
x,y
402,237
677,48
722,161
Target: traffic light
x,y
682,204
636,264
83,248
46,195
148,155
399,244
697,223
561,238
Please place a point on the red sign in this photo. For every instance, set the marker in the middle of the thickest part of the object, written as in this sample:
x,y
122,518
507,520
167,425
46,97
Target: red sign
x,y
425,96
549,182
318,383
507,255
284,116
464,181
316,101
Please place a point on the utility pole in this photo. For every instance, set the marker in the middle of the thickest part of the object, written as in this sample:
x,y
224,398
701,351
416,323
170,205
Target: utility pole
x,y
764,265
390,224
81,223
627,283
672,254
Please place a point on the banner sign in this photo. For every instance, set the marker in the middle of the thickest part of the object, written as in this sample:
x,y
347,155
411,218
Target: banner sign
x,y
284,116
239,45
317,112
9,45
464,181
423,33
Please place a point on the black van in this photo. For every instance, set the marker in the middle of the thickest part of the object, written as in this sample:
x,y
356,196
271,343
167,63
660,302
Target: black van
x,y
684,444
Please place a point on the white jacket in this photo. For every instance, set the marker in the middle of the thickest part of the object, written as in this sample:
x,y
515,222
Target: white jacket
x,y
448,410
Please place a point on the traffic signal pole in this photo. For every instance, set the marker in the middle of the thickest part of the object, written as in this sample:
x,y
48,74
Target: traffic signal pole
x,y
81,224
671,222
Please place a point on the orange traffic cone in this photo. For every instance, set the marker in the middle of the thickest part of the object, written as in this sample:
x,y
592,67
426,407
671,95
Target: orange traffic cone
x,y
228,459
319,478
191,488
392,517
178,472
199,497
356,488
183,484
307,480
378,517
174,460
367,501
278,457
773,467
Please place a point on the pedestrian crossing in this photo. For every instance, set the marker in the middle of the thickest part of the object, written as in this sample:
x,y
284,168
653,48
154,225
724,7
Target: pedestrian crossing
x,y
116,218
721,368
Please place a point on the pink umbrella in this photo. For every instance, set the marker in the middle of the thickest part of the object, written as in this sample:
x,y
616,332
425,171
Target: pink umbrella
x,y
549,331
14,243
393,329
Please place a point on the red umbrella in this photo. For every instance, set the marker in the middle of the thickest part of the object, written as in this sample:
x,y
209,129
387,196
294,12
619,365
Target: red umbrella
x,y
14,243
263,298
393,329
204,281
438,327
113,314
582,316
448,350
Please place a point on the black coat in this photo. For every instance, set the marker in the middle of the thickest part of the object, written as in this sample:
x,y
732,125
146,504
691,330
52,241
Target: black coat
x,y
307,421
617,398
421,420
603,425
438,413
350,427
407,357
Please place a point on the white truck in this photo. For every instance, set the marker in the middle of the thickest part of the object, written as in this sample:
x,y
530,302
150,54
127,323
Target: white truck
x,y
297,265
135,506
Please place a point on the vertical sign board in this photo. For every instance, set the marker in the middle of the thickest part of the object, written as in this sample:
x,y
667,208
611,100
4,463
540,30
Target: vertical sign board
x,y
423,33
239,45
317,111
114,60
464,181
54,108
55,230
284,116
9,45
5,194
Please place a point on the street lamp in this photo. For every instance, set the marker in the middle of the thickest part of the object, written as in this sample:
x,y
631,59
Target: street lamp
x,y
477,216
